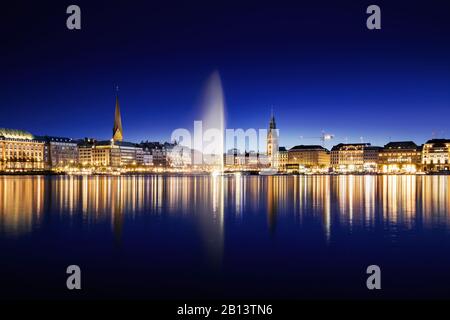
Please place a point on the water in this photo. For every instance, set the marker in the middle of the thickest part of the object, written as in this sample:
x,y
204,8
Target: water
x,y
225,236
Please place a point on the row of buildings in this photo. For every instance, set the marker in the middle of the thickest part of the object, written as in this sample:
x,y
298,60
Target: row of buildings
x,y
394,157
23,151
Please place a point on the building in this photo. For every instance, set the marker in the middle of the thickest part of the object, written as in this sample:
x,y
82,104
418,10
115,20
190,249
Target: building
x,y
110,153
147,158
281,159
400,157
234,159
181,157
114,152
354,157
85,148
272,141
247,160
436,155
59,152
308,159
159,152
370,158
20,150
117,154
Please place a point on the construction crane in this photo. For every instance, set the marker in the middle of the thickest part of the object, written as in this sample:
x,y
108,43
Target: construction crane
x,y
324,137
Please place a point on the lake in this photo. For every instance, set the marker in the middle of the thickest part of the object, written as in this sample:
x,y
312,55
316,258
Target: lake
x,y
179,237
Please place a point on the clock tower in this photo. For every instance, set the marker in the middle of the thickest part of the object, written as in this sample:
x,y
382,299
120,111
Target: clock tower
x,y
272,140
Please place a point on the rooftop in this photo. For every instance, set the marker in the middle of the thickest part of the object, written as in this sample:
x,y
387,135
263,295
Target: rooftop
x,y
438,141
54,139
376,148
401,145
344,145
15,134
307,147
117,143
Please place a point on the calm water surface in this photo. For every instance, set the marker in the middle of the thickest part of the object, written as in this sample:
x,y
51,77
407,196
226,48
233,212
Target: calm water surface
x,y
225,237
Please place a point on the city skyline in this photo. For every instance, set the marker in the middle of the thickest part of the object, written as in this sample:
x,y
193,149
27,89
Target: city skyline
x,y
328,73
324,139
21,151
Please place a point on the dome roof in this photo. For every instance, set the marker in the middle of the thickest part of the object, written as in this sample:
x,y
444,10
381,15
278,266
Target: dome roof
x,y
15,134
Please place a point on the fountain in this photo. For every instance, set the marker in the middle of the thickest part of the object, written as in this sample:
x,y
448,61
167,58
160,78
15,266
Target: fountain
x,y
213,125
212,147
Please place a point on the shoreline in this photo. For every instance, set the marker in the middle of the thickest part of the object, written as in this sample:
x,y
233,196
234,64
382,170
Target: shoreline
x,y
187,174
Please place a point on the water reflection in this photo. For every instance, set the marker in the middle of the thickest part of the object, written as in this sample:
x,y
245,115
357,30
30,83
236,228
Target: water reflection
x,y
21,204
333,201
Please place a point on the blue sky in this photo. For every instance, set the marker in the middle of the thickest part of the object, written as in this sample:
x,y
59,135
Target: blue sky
x,y
316,64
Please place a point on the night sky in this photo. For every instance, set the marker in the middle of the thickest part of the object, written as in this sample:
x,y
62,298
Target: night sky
x,y
316,64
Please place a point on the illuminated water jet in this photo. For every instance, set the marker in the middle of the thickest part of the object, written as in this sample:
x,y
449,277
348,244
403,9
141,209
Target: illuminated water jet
x,y
214,124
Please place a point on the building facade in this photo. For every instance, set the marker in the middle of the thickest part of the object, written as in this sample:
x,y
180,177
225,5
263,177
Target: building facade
x,y
159,152
308,159
371,156
281,159
247,161
20,151
112,154
400,157
59,152
234,160
436,155
355,157
85,148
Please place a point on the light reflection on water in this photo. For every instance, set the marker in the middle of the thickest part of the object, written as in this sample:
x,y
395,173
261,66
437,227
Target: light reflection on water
x,y
249,236
347,201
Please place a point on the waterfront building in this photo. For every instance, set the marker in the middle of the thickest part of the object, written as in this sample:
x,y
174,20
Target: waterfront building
x,y
354,157
181,157
118,153
234,159
147,158
308,159
20,150
272,141
400,157
158,151
59,151
114,152
255,160
110,153
159,156
436,155
102,154
281,159
85,148
371,157
248,160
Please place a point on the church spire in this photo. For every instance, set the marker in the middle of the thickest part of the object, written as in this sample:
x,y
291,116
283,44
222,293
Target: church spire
x,y
272,124
117,129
